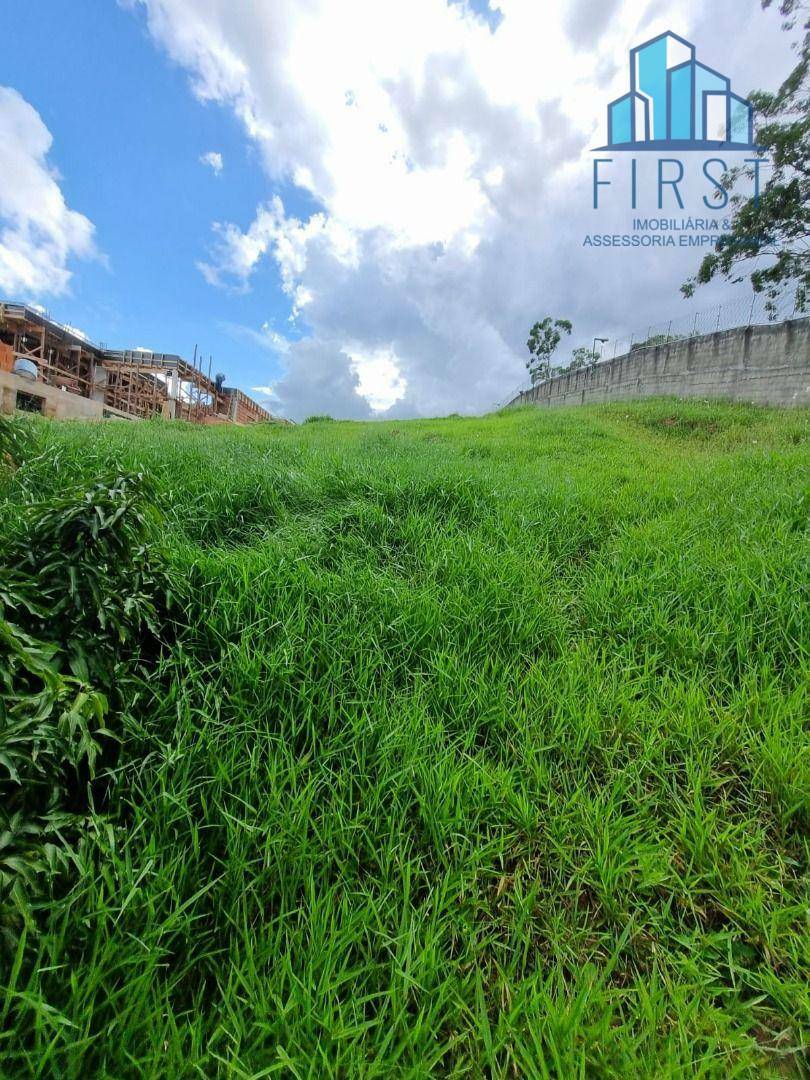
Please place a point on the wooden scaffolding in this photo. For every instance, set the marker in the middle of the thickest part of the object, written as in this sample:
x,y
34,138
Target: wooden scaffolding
x,y
135,382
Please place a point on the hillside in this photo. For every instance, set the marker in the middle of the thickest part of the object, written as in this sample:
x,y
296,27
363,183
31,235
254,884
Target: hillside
x,y
438,748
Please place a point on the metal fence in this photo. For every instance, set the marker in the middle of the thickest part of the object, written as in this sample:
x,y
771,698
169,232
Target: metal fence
x,y
744,311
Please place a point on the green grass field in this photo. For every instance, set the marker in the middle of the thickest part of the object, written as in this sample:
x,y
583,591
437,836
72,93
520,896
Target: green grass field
x,y
464,747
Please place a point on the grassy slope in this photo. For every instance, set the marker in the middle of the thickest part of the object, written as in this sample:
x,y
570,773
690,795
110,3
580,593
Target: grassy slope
x,y
484,753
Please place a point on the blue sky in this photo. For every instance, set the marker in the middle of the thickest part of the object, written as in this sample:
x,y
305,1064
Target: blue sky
x,y
406,184
128,136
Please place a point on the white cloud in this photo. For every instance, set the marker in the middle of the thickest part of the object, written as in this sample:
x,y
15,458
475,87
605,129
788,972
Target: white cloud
x,y
266,337
318,379
39,233
236,254
451,168
379,379
213,159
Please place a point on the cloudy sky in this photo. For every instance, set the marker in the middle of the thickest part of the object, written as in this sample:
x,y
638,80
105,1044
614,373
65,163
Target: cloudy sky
x,y
351,206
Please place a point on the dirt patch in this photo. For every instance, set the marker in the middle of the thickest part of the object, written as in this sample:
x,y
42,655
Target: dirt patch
x,y
690,426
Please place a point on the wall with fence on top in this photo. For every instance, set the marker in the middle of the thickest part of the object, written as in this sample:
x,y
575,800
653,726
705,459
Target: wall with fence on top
x,y
767,364
745,350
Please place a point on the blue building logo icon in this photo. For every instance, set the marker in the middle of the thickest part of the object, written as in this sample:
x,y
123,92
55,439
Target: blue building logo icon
x,y
677,103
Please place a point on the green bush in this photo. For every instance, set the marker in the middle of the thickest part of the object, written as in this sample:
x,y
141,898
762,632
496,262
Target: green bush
x,y
77,602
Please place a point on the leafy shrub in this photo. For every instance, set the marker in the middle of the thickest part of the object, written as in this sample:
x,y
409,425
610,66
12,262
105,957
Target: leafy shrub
x,y
50,724
76,604
89,553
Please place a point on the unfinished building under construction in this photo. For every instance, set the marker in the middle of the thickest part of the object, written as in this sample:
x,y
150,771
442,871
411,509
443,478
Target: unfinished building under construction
x,y
52,369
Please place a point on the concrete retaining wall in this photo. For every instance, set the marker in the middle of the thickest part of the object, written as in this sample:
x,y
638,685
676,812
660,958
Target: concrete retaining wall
x,y
52,401
767,365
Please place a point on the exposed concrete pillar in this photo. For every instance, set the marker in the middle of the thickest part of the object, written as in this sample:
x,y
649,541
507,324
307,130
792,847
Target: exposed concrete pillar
x,y
99,382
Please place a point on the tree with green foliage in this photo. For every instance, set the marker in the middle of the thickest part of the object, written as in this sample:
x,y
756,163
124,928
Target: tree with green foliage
x,y
774,227
544,337
657,339
583,357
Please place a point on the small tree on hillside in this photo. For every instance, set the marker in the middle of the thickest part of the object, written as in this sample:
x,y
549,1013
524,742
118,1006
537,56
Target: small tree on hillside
x,y
777,225
583,357
544,337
